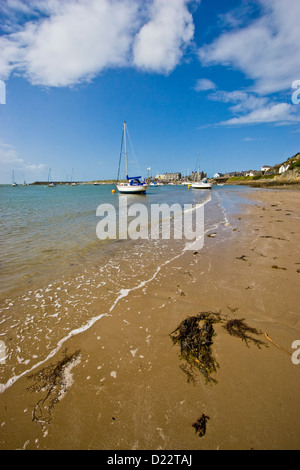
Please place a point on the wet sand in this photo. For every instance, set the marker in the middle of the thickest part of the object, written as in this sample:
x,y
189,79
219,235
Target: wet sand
x,y
126,389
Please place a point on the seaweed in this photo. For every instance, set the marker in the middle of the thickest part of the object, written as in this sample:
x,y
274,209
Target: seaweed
x,y
200,425
195,335
239,329
53,381
243,257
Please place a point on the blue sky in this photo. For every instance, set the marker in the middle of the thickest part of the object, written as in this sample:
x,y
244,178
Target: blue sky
x,y
212,78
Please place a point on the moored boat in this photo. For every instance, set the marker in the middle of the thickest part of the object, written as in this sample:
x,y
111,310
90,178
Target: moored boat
x,y
133,184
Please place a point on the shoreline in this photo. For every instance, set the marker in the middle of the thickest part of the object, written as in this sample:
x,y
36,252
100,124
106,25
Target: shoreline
x,y
127,390
267,184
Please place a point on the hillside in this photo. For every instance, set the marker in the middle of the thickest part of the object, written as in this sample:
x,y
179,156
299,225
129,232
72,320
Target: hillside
x,y
286,173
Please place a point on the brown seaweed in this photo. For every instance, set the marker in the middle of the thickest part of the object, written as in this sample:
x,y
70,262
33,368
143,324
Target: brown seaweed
x,y
195,336
53,382
239,329
200,425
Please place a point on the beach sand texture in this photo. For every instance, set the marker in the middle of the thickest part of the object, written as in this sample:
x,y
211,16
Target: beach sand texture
x,y
122,385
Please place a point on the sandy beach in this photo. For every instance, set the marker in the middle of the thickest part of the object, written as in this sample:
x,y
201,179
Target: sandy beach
x,y
126,387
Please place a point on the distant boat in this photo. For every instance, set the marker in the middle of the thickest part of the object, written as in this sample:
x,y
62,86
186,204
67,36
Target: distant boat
x,y
202,184
133,184
73,183
13,183
24,184
51,184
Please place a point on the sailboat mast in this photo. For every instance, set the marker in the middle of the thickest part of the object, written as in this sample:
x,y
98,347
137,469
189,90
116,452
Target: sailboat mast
x,y
125,149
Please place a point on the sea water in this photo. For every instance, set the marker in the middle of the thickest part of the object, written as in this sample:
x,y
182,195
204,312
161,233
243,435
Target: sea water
x,y
57,278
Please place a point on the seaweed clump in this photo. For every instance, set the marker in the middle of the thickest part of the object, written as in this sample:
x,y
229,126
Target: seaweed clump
x,y
239,329
195,335
200,425
54,380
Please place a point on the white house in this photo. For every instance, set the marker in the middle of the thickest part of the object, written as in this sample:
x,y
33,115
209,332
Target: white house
x,y
284,167
265,168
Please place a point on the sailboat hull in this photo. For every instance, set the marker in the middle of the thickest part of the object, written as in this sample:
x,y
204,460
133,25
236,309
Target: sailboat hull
x,y
201,185
126,188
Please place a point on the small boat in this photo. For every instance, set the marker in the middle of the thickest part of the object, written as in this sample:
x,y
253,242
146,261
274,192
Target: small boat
x,y
13,183
133,184
51,184
24,184
203,184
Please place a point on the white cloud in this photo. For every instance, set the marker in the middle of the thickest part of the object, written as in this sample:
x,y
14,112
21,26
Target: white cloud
x,y
8,154
242,101
10,160
61,43
203,84
161,41
267,50
250,108
280,113
74,44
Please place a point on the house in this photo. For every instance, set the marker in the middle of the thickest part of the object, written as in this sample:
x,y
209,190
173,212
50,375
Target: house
x,y
168,177
266,168
283,168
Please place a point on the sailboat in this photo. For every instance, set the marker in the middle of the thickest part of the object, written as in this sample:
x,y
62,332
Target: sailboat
x,y
73,183
202,184
51,184
24,184
133,184
13,183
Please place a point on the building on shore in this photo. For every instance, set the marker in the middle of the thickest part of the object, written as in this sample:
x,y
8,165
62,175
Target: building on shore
x,y
169,177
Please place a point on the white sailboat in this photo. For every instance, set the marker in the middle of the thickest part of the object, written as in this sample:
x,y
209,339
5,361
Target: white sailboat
x,y
133,184
202,184
13,183
24,184
51,184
